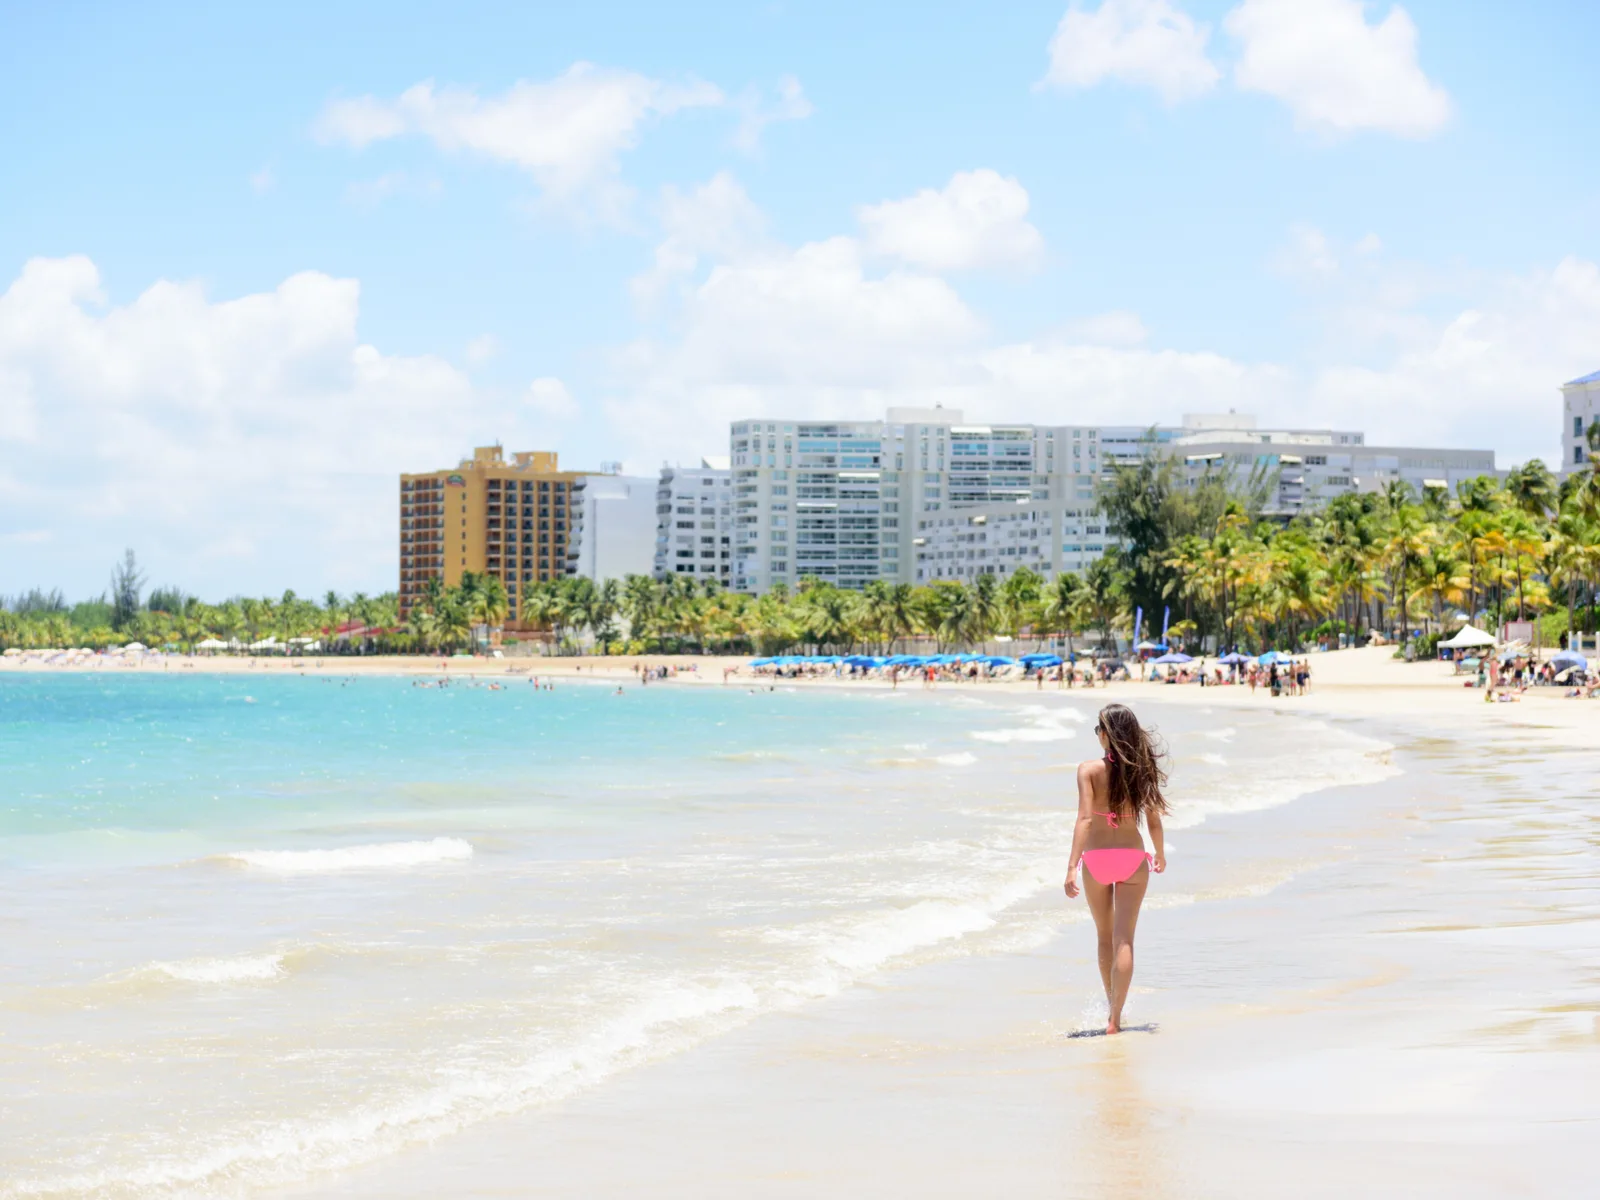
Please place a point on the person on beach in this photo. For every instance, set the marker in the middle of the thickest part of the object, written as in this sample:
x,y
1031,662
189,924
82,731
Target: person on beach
x,y
1116,794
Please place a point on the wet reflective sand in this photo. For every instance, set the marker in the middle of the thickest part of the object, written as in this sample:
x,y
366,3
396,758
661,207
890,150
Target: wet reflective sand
x,y
1383,990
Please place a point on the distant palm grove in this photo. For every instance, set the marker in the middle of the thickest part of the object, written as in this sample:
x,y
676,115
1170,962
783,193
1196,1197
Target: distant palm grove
x,y
1200,550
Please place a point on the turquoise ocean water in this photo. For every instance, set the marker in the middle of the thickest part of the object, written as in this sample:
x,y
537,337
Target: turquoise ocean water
x,y
263,927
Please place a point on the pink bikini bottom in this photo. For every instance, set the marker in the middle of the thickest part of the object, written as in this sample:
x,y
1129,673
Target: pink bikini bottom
x,y
1115,866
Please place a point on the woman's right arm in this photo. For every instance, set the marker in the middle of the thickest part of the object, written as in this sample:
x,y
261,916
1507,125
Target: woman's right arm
x,y
1080,829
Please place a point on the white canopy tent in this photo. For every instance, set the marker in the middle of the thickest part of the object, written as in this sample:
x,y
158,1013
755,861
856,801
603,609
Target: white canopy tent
x,y
1468,638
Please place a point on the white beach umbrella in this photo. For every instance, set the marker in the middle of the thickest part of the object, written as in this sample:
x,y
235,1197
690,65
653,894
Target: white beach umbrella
x,y
1467,637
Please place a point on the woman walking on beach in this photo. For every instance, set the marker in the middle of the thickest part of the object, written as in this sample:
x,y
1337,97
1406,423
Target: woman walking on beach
x,y
1116,794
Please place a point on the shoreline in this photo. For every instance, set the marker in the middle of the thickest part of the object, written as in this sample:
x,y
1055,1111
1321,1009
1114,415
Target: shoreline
x,y
971,1076
1357,683
966,1076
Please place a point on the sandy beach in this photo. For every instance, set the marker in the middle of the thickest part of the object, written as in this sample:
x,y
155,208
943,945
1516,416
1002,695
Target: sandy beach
x,y
1395,1052
1383,988
1365,683
1437,1038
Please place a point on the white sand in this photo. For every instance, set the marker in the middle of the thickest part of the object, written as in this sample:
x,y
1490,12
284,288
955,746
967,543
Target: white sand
x,y
1412,1014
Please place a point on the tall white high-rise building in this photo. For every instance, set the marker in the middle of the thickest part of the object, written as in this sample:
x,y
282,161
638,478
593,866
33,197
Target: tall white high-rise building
x,y
1580,408
842,500
854,501
694,521
613,527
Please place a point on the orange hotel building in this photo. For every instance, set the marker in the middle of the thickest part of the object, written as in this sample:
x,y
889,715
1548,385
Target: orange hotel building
x,y
506,519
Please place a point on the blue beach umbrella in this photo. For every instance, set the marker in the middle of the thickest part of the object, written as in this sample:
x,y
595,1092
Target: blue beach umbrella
x,y
1233,659
1169,659
1569,658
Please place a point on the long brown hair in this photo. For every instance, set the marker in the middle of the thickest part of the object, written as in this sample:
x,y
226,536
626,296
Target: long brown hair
x,y
1133,764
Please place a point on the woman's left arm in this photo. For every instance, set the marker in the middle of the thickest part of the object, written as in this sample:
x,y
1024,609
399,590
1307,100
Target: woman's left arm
x,y
1080,828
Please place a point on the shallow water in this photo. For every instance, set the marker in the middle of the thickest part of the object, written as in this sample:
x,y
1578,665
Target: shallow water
x,y
261,928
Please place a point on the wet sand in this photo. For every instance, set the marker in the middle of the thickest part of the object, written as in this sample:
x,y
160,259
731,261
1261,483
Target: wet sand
x,y
1377,991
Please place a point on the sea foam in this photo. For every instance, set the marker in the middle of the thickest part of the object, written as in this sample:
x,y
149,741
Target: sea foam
x,y
377,856
1044,725
245,968
1322,757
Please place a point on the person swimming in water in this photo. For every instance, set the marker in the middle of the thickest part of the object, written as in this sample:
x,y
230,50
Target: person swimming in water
x,y
1115,794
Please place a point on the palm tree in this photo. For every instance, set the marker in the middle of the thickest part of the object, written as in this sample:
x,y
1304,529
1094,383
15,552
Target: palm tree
x,y
1103,586
987,613
1410,537
333,609
1532,488
1019,600
1064,601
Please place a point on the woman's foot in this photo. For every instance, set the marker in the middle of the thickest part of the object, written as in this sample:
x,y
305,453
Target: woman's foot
x,y
1112,1027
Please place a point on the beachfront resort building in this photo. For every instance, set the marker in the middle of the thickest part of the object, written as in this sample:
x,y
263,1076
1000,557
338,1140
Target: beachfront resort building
x,y
694,522
924,495
1310,467
1580,408
611,525
510,519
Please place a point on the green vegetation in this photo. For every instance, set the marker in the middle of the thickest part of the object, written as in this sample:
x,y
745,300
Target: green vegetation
x,y
1391,561
170,618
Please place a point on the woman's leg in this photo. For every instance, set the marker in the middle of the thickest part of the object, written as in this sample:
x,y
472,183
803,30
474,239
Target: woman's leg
x,y
1124,918
1099,897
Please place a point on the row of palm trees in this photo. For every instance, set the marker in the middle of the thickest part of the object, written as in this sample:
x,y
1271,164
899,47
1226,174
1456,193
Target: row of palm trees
x,y
1398,561
1392,561
353,622
641,614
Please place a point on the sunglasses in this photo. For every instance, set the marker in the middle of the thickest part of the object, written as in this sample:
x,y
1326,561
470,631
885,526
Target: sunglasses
x,y
1099,728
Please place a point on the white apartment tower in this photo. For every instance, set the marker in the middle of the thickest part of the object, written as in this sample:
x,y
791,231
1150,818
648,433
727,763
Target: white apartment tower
x,y
694,522
613,526
842,500
1580,408
923,495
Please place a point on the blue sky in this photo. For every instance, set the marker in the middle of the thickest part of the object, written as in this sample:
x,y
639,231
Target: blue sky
x,y
255,263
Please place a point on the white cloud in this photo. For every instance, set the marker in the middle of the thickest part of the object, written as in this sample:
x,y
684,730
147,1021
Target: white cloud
x,y
979,219
804,330
1337,73
263,180
1406,354
482,348
1116,328
195,429
717,218
549,397
1146,43
1484,374
791,105
568,132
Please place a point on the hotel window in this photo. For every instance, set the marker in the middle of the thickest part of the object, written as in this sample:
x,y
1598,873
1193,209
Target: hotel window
x,y
1577,426
1577,455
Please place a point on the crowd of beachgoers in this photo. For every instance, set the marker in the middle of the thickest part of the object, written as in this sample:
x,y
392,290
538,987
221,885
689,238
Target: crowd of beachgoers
x,y
1506,674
